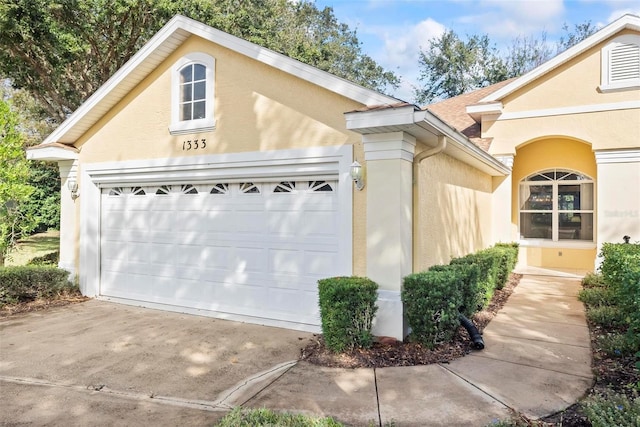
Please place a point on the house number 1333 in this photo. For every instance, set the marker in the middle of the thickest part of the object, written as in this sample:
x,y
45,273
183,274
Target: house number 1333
x,y
194,144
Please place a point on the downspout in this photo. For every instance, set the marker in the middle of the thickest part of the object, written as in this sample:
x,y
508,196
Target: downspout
x,y
417,159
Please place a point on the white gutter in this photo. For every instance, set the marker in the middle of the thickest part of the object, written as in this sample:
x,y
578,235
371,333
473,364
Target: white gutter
x,y
418,158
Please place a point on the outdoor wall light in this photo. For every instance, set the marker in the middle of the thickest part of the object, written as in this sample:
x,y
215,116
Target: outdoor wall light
x,y
356,175
72,185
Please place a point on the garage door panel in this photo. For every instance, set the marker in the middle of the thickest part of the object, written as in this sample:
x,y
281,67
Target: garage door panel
x,y
235,251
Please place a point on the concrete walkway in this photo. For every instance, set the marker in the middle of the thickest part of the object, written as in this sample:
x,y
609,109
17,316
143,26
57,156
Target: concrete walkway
x,y
537,361
100,363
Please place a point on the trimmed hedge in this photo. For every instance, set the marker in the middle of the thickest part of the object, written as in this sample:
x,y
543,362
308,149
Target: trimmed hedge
x,y
472,295
27,283
507,255
431,301
347,310
48,259
488,265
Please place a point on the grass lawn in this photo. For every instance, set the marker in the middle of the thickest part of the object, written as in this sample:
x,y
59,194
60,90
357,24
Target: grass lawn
x,y
34,246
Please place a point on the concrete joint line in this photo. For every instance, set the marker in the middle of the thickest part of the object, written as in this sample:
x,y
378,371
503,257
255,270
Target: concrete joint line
x,y
228,398
497,399
101,388
375,383
544,341
588,377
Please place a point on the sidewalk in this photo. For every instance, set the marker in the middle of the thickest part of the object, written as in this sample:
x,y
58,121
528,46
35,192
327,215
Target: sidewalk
x,y
537,361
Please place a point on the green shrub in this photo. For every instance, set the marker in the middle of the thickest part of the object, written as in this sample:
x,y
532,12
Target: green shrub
x,y
48,259
615,260
597,297
612,410
488,266
472,295
506,259
27,283
347,309
615,345
263,417
606,315
593,280
431,300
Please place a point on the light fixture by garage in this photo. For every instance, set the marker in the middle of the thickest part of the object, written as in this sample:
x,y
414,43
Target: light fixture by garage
x,y
357,175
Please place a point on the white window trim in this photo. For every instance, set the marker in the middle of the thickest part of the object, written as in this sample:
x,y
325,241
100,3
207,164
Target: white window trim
x,y
606,85
555,241
180,127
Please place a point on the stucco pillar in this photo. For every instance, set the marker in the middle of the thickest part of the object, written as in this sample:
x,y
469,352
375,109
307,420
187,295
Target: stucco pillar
x,y
389,166
68,170
503,230
617,196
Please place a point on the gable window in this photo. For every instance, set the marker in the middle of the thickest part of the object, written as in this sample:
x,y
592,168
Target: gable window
x,y
621,64
192,94
556,205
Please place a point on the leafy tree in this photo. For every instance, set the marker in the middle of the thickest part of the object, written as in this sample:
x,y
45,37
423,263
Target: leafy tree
x,y
63,50
14,171
451,66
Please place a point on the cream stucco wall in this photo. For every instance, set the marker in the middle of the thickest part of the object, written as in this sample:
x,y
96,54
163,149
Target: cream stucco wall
x,y
453,207
257,108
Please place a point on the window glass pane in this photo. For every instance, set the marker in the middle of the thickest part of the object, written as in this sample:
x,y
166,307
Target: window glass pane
x,y
535,225
185,92
186,74
199,72
539,177
198,109
575,226
536,197
199,90
568,197
185,112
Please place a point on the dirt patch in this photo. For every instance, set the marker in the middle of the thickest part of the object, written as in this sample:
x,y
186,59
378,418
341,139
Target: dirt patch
x,y
386,353
40,304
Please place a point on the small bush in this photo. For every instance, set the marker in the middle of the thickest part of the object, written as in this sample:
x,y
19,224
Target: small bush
x,y
597,297
27,283
606,315
615,260
347,309
615,345
508,258
612,410
265,417
431,300
472,295
488,266
593,280
48,259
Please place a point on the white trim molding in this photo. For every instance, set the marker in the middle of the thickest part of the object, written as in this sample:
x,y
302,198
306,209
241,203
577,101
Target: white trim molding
x,y
52,152
563,111
317,163
620,64
618,156
392,145
505,159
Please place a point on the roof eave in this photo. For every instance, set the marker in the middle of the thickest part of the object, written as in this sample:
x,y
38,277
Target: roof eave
x,y
52,152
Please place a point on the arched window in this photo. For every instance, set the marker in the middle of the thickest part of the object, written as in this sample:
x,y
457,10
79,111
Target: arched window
x,y
192,94
556,205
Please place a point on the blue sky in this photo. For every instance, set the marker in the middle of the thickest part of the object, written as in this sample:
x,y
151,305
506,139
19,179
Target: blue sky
x,y
393,31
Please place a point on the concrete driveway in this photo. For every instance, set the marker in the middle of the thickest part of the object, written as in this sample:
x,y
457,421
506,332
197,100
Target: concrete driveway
x,y
103,363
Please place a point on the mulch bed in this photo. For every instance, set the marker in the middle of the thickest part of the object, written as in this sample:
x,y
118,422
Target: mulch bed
x,y
40,304
389,352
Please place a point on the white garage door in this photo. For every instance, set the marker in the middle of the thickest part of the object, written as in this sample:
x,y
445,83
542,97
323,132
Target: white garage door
x,y
248,248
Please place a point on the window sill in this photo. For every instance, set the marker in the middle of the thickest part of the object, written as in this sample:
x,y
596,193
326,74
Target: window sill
x,y
196,126
543,243
619,87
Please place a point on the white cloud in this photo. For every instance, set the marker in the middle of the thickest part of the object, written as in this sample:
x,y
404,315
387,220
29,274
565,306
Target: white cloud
x,y
400,49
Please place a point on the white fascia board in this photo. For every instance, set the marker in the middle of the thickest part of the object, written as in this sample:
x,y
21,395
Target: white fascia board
x,y
476,111
51,154
626,22
180,28
284,63
380,118
461,142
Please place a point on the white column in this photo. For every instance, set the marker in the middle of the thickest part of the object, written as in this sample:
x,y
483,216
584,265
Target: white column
x,y
389,160
68,170
503,230
617,196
